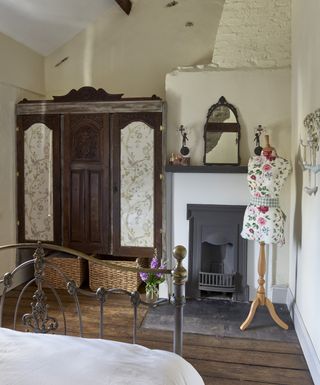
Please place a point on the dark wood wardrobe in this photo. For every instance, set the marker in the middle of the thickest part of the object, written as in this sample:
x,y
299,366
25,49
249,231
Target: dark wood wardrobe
x,y
89,172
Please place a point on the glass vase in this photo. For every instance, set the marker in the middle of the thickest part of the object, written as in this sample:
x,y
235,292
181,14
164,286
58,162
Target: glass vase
x,y
152,294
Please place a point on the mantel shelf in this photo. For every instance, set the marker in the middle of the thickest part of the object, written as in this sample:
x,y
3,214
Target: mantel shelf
x,y
218,169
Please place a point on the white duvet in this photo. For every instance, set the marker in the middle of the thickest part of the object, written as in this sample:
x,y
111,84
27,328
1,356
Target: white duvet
x,y
38,359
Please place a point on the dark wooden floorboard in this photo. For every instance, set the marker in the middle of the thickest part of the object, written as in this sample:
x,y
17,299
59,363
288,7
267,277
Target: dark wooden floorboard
x,y
256,373
275,360
220,360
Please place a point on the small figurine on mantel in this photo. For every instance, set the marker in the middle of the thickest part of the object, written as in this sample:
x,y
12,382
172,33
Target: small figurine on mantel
x,y
183,157
257,133
184,150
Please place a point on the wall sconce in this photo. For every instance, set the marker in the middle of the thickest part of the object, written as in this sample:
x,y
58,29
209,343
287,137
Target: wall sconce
x,y
309,150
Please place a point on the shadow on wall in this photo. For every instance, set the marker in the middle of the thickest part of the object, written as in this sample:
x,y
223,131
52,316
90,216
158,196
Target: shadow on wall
x,y
173,116
297,227
298,211
244,137
297,220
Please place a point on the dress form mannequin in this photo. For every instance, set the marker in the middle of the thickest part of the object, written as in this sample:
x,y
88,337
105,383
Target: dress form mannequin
x,y
264,220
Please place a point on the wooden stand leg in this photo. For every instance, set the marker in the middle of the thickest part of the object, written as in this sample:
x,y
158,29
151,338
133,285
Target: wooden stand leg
x,y
251,314
261,299
274,315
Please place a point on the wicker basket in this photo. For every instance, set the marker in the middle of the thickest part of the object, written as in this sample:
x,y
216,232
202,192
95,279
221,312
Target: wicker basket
x,y
74,268
104,276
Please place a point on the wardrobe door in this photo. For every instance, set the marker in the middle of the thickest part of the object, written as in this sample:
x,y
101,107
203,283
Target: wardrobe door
x,y
136,184
38,178
86,182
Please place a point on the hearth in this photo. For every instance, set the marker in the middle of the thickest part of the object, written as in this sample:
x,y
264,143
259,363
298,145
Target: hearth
x,y
217,265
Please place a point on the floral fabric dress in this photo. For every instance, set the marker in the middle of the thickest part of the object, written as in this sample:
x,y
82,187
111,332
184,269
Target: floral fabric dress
x,y
263,219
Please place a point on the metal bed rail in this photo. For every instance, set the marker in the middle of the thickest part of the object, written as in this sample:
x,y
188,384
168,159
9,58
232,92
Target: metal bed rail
x,y
38,319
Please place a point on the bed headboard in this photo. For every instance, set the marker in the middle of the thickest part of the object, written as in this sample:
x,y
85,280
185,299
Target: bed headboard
x,y
39,320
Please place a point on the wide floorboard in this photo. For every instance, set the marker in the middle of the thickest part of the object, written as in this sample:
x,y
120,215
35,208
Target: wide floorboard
x,y
220,361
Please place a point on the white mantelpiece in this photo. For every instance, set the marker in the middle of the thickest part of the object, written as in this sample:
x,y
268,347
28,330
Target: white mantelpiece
x,y
204,188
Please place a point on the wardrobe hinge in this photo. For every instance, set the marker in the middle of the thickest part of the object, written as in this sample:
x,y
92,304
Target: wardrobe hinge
x,y
161,128
161,176
17,129
18,223
18,174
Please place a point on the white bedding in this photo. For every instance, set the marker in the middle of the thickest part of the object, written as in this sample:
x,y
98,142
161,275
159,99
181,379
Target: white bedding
x,y
38,359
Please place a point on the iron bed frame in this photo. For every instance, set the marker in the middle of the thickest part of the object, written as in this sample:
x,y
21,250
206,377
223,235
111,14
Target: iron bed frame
x,y
38,319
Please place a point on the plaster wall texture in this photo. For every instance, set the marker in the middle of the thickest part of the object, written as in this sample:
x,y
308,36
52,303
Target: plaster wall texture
x,y
261,97
20,66
132,54
254,33
304,246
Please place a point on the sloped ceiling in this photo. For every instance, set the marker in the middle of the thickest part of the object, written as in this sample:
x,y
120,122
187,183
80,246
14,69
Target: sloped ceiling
x,y
45,25
133,54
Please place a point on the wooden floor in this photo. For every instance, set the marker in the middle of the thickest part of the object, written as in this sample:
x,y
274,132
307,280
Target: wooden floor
x,y
220,361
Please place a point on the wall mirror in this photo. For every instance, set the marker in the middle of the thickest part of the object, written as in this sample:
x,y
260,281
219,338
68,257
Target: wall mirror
x,y
221,134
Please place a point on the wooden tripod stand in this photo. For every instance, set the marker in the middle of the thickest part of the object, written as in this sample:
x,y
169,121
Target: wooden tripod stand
x,y
261,299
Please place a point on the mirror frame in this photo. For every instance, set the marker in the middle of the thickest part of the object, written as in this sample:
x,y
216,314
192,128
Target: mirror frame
x,y
221,127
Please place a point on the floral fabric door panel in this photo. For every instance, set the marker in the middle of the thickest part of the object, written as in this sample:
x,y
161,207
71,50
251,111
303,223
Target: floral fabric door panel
x,y
137,185
136,153
38,183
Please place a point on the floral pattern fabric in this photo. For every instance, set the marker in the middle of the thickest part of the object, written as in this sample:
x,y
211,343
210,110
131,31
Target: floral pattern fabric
x,y
266,176
38,183
137,185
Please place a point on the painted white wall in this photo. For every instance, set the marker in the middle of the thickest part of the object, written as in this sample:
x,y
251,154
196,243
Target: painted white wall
x,y
132,54
261,97
20,66
21,75
9,96
304,246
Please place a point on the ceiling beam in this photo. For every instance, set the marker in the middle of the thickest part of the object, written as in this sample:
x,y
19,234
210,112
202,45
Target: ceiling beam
x,y
126,5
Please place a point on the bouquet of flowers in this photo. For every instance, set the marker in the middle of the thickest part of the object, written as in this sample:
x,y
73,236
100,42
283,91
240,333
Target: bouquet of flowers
x,y
152,280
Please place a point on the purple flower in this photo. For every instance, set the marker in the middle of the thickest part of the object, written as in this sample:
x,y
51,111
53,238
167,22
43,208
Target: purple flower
x,y
144,276
153,279
154,263
159,275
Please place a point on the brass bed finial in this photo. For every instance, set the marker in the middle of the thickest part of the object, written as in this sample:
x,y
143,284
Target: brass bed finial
x,y
179,272
179,275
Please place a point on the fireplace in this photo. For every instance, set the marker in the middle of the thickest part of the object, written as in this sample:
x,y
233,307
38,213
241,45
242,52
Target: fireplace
x,y
217,265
